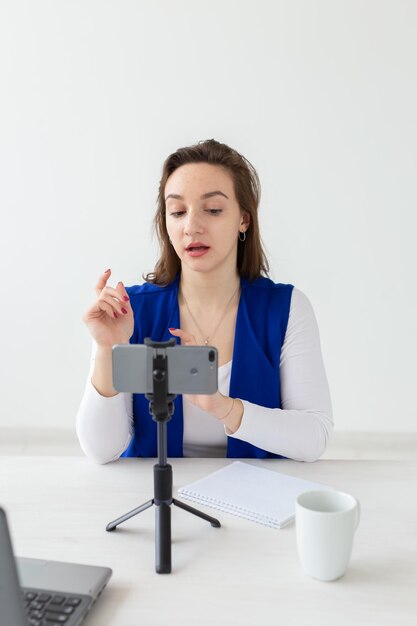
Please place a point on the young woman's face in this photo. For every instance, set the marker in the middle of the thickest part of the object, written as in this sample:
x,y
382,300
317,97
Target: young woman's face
x,y
203,217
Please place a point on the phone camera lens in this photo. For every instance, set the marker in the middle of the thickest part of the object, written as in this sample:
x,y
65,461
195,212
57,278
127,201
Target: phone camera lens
x,y
212,356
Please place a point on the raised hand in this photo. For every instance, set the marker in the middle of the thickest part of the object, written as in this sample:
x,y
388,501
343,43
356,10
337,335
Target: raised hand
x,y
110,319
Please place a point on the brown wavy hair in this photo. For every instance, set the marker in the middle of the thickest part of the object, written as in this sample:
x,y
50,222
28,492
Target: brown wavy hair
x,y
251,258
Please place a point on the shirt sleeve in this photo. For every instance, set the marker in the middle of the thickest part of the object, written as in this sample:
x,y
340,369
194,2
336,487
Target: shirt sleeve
x,y
301,428
104,425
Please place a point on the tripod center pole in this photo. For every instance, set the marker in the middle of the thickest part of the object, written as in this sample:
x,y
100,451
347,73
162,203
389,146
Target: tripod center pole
x,y
162,444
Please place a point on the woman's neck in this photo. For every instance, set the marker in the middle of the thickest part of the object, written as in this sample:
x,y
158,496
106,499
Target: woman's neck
x,y
207,292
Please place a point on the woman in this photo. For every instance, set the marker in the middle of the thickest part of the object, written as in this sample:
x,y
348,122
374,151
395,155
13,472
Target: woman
x,y
210,287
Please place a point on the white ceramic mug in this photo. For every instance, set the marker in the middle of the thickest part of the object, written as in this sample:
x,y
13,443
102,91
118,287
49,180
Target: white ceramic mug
x,y
326,522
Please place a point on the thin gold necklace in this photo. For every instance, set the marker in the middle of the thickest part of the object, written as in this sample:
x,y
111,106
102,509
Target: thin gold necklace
x,y
207,339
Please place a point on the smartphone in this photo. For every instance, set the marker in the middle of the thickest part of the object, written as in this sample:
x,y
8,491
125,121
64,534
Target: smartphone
x,y
191,369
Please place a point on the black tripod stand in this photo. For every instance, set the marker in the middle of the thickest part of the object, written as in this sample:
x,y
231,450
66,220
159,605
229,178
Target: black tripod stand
x,y
161,407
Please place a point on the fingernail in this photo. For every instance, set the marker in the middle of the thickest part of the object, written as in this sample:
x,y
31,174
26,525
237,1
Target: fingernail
x,y
124,311
107,271
115,314
125,298
172,329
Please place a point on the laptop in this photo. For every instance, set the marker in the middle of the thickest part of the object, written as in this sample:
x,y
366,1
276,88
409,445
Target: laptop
x,y
45,593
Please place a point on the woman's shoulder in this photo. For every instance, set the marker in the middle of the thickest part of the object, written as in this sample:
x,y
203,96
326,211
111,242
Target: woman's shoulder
x,y
263,283
263,294
299,299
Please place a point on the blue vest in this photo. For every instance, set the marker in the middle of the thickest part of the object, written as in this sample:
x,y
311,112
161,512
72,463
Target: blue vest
x,y
261,324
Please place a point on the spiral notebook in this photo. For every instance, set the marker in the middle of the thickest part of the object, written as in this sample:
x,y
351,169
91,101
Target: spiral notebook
x,y
254,493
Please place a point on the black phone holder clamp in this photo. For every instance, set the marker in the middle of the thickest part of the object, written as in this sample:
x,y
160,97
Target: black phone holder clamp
x,y
161,407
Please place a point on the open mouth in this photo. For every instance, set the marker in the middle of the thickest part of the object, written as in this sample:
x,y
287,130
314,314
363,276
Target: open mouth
x,y
197,249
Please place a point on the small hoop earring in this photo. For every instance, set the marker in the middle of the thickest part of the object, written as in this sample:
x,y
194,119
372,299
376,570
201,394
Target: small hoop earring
x,y
244,236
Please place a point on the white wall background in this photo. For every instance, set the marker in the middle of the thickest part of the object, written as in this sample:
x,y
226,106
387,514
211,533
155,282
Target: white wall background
x,y
321,96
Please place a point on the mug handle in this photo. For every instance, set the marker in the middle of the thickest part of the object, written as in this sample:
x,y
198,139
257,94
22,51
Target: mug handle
x,y
358,512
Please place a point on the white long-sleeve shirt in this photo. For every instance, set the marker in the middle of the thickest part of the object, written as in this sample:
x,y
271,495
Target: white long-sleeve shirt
x,y
299,430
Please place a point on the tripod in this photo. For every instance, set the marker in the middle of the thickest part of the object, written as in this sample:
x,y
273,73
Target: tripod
x,y
161,407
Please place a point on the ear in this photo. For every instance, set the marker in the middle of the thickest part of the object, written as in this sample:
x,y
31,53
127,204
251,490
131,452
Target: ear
x,y
245,219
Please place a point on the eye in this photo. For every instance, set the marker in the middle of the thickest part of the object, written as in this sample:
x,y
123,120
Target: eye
x,y
177,213
214,211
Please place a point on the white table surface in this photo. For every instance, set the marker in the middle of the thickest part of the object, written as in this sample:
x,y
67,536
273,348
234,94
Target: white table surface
x,y
242,573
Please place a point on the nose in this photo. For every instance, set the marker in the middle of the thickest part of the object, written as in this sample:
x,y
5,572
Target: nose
x,y
193,224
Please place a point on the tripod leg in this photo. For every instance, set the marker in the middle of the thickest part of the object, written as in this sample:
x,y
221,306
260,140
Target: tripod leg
x,y
163,538
126,516
213,521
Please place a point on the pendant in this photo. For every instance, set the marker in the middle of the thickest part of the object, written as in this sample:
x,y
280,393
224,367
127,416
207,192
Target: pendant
x,y
206,341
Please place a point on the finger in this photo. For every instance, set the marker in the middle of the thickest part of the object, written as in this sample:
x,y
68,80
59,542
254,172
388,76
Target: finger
x,y
108,309
98,309
120,288
102,281
118,307
113,292
185,337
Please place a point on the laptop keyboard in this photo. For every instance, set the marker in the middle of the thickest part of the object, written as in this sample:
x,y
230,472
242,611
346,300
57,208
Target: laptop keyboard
x,y
53,609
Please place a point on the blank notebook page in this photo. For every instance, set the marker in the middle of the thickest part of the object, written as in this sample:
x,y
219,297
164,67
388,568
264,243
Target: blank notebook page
x,y
251,492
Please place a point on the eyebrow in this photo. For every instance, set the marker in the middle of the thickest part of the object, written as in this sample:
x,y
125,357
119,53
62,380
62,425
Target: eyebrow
x,y
209,194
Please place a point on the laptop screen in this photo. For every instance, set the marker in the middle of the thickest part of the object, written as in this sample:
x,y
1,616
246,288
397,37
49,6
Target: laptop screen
x,y
11,604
